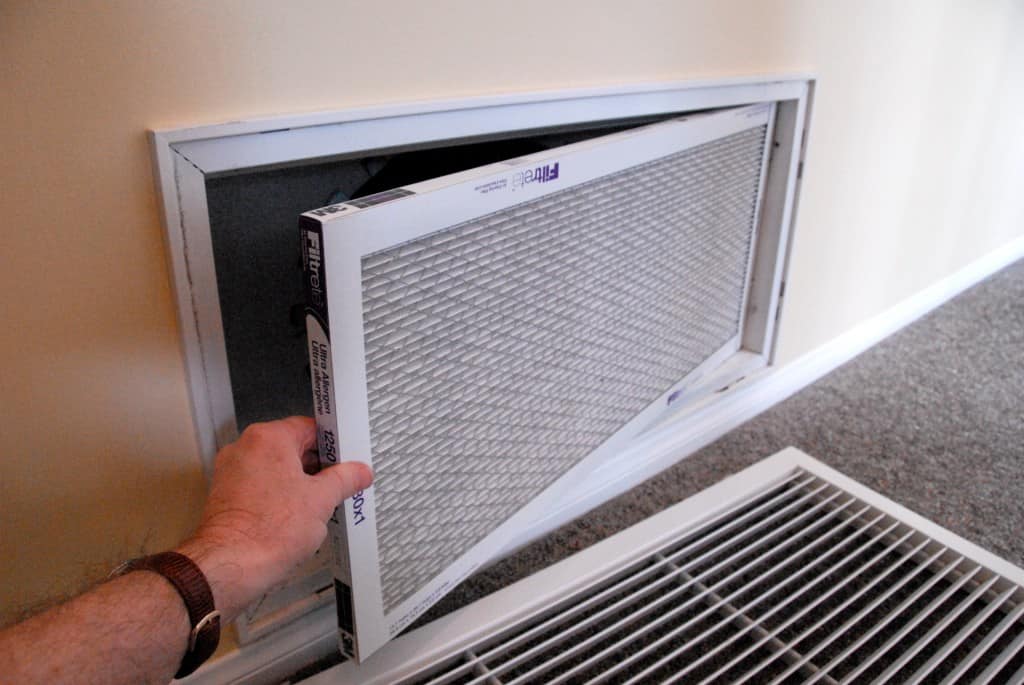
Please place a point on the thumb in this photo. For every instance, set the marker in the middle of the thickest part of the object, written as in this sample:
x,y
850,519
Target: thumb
x,y
334,484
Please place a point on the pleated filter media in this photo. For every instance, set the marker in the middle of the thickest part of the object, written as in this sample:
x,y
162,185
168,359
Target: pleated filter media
x,y
502,351
492,354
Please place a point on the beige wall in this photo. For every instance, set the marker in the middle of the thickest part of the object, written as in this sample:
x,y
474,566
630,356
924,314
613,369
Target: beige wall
x,y
915,169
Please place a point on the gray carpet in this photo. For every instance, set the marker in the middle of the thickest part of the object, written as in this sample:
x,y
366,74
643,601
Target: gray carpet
x,y
930,417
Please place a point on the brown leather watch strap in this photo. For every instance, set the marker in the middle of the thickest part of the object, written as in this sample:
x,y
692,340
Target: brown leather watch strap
x,y
195,591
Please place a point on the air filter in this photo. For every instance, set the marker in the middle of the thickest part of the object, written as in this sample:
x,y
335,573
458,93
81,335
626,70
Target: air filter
x,y
491,333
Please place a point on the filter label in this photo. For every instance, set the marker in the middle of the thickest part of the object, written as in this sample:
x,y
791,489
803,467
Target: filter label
x,y
313,269
540,174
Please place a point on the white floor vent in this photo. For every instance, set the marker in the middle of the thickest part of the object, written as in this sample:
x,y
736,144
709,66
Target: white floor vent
x,y
787,572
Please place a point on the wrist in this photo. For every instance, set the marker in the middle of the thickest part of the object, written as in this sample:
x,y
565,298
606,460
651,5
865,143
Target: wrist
x,y
221,573
194,591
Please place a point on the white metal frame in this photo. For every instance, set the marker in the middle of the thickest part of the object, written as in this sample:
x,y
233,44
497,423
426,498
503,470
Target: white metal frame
x,y
499,612
185,157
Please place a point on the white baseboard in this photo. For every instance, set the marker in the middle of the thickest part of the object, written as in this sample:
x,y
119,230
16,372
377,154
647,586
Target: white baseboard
x,y
804,370
270,659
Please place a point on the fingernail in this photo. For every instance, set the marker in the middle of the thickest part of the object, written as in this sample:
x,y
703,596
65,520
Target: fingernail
x,y
365,476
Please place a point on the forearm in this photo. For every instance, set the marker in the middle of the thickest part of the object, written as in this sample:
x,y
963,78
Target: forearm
x,y
133,629
265,515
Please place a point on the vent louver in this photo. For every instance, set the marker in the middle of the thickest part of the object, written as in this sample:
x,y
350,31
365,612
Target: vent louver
x,y
799,581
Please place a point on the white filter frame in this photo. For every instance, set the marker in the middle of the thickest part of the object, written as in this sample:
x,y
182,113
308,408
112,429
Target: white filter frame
x,y
453,635
347,233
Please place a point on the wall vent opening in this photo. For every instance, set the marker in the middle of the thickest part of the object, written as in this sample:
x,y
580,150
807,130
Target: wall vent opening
x,y
256,257
231,193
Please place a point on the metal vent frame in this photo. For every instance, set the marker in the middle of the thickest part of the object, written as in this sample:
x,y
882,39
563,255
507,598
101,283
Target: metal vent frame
x,y
455,642
186,157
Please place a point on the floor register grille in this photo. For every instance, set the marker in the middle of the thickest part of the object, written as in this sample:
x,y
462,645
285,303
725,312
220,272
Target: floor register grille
x,y
798,581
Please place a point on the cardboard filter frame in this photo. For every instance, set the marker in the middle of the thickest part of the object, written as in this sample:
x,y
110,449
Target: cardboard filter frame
x,y
416,296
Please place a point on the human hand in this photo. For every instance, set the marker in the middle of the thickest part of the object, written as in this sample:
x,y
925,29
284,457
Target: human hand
x,y
267,510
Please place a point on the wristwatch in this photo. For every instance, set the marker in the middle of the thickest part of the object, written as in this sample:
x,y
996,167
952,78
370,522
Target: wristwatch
x,y
195,591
